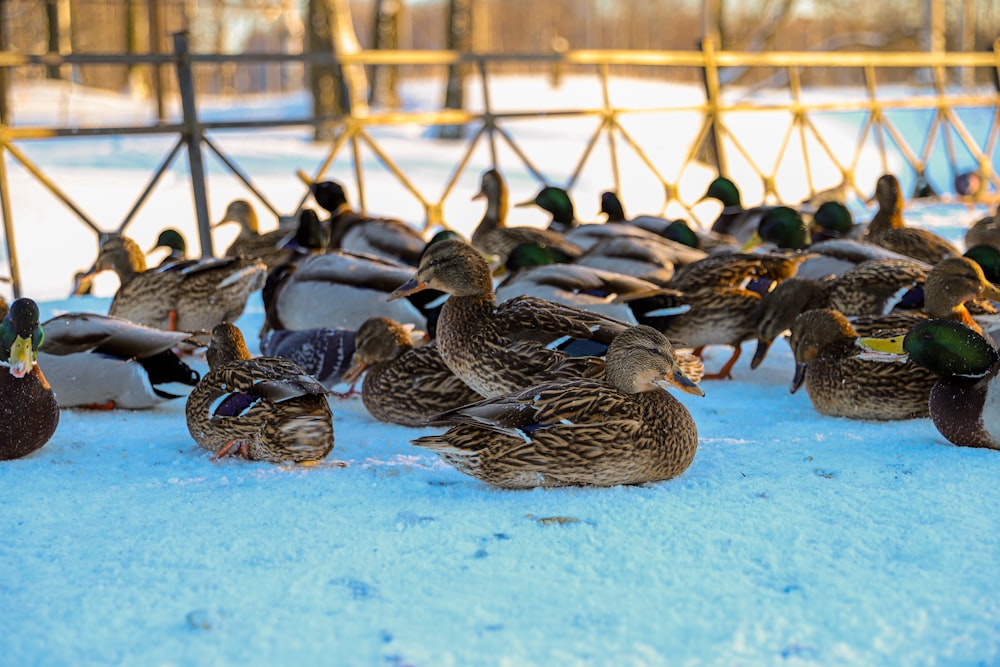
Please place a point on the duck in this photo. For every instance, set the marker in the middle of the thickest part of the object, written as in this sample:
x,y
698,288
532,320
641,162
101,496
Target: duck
x,y
985,231
888,228
29,412
262,409
340,289
356,232
403,383
840,384
963,401
734,220
176,246
557,202
325,353
268,247
579,286
871,288
494,238
622,428
832,220
99,361
179,297
677,230
498,348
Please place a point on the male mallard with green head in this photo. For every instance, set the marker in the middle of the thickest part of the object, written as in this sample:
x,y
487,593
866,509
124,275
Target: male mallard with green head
x,y
965,401
29,413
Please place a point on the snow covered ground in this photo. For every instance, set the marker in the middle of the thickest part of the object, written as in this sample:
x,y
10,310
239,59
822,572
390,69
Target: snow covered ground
x,y
792,539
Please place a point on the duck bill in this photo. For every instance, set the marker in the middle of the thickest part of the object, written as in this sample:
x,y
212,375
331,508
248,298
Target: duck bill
x,y
22,357
799,378
882,349
680,381
758,356
411,286
84,282
753,242
479,195
355,371
525,203
991,292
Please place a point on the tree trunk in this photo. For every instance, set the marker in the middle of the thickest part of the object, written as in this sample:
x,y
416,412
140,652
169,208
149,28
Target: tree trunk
x,y
386,30
458,38
325,81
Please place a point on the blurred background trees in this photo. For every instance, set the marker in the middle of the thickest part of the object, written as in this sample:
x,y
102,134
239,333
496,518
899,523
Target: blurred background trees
x,y
293,26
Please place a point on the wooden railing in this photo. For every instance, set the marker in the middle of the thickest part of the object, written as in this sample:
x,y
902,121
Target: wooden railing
x,y
715,137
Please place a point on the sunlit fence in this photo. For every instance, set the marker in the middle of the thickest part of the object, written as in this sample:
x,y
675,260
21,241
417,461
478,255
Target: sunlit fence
x,y
909,125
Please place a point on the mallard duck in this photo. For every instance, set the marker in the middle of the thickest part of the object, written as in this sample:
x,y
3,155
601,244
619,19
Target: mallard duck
x,y
324,352
832,220
955,284
840,384
173,241
403,384
495,348
268,247
734,220
579,286
264,408
106,362
888,229
341,289
871,288
29,413
178,297
677,230
621,429
494,238
355,232
963,402
985,231
557,202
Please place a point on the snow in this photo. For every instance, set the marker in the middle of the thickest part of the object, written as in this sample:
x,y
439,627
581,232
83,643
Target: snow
x,y
793,538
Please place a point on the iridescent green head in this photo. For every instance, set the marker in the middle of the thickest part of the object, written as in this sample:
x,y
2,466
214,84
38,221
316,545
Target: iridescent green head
x,y
832,220
725,191
20,337
950,348
557,202
528,255
173,240
784,227
988,258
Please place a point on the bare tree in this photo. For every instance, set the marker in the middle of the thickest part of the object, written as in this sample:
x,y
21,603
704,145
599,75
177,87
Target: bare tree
x,y
458,38
386,36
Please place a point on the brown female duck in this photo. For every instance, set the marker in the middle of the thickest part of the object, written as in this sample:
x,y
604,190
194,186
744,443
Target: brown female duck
x,y
403,384
622,429
264,408
180,297
888,229
494,238
497,349
840,384
268,247
29,413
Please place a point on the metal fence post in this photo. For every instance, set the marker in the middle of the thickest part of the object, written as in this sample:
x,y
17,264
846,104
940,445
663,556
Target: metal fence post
x,y
193,137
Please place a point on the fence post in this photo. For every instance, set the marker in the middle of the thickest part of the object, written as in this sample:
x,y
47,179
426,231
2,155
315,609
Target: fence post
x,y
8,225
192,136
710,76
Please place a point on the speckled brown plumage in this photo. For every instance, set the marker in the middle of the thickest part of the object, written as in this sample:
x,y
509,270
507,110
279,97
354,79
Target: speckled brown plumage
x,y
264,408
493,237
840,384
888,229
182,297
497,349
870,288
623,429
403,384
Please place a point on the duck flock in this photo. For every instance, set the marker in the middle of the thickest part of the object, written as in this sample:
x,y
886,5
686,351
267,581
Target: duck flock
x,y
546,355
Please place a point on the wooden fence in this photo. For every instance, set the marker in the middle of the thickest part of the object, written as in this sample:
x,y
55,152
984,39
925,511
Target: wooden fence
x,y
943,107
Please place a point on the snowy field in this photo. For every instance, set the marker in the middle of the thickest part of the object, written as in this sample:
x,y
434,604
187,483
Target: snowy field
x,y
793,539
